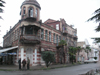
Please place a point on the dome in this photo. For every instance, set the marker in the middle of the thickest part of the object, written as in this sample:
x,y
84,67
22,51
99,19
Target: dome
x,y
32,2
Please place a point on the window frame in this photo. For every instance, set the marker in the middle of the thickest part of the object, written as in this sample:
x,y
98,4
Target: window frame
x,y
42,34
24,10
54,37
57,26
49,36
46,35
30,12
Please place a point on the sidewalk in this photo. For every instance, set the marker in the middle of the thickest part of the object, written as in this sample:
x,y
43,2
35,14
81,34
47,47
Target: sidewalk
x,y
14,67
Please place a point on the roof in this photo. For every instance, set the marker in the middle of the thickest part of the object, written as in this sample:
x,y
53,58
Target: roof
x,y
49,21
81,44
32,2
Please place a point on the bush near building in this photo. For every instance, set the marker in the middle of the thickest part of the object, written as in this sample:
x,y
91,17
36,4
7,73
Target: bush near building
x,y
48,57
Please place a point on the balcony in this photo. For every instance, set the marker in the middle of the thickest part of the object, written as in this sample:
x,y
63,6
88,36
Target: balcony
x,y
75,37
29,39
26,17
65,32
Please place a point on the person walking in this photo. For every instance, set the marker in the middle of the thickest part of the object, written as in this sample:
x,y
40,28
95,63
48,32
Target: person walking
x,y
19,62
28,63
24,63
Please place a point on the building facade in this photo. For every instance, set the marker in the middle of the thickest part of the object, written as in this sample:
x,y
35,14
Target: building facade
x,y
32,36
82,53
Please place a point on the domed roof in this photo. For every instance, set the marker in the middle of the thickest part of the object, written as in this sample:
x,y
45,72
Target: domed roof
x,y
32,2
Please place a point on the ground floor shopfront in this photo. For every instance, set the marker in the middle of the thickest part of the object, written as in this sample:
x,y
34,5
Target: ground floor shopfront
x,y
31,51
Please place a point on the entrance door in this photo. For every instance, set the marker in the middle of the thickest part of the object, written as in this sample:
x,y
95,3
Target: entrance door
x,y
29,53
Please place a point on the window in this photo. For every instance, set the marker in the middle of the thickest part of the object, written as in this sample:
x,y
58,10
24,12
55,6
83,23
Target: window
x,y
30,12
57,26
75,34
46,35
36,12
49,36
24,11
29,30
57,39
42,34
54,37
63,38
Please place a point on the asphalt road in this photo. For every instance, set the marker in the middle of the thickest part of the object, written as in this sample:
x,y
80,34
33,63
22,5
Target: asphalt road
x,y
74,70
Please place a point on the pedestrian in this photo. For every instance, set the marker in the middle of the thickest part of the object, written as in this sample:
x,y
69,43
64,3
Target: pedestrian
x,y
24,63
19,62
28,63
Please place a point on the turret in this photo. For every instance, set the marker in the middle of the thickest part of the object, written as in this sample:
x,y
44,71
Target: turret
x,y
30,9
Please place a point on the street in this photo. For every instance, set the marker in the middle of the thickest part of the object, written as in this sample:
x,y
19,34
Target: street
x,y
74,70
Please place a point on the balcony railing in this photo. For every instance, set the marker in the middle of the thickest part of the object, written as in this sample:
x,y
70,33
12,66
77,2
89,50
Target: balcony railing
x,y
28,18
75,37
29,39
65,32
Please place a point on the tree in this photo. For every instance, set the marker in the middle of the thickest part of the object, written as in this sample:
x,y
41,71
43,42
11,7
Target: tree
x,y
1,5
78,50
62,43
48,57
72,53
96,17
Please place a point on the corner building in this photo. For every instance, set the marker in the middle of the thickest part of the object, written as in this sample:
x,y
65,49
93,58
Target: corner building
x,y
32,36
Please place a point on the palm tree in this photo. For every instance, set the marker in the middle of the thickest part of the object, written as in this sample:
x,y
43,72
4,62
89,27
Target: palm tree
x,y
62,43
72,53
78,50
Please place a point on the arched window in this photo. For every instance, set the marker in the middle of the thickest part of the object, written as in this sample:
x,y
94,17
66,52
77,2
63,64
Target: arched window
x,y
36,12
30,12
24,11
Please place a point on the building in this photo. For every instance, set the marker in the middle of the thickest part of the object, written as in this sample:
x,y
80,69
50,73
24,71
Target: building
x,y
83,55
30,36
95,52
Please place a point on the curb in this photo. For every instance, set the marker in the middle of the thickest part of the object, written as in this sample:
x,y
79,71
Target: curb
x,y
44,68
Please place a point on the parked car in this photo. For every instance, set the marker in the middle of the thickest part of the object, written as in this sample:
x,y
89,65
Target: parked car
x,y
90,61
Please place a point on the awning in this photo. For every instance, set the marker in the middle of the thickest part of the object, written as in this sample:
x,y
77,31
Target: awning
x,y
5,54
7,49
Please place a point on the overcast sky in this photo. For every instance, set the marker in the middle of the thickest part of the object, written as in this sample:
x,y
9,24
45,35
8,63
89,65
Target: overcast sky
x,y
75,12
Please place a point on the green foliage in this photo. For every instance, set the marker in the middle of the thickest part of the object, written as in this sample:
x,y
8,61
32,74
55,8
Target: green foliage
x,y
88,48
1,5
96,16
97,40
62,43
72,53
61,52
48,57
95,58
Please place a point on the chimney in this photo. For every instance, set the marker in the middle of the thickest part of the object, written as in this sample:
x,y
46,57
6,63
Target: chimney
x,y
10,27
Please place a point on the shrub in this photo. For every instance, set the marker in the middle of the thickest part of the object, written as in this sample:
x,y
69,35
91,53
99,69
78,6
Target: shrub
x,y
48,57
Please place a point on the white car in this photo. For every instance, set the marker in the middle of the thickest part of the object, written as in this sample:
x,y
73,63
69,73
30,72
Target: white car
x,y
90,61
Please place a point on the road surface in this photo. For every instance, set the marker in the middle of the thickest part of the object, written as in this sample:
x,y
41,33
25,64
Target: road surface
x,y
74,70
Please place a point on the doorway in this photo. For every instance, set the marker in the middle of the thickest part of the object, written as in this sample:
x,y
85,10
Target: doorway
x,y
29,54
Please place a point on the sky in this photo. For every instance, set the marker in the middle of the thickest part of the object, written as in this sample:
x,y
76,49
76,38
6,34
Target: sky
x,y
75,12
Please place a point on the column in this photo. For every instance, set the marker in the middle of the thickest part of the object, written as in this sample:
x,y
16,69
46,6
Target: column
x,y
22,54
